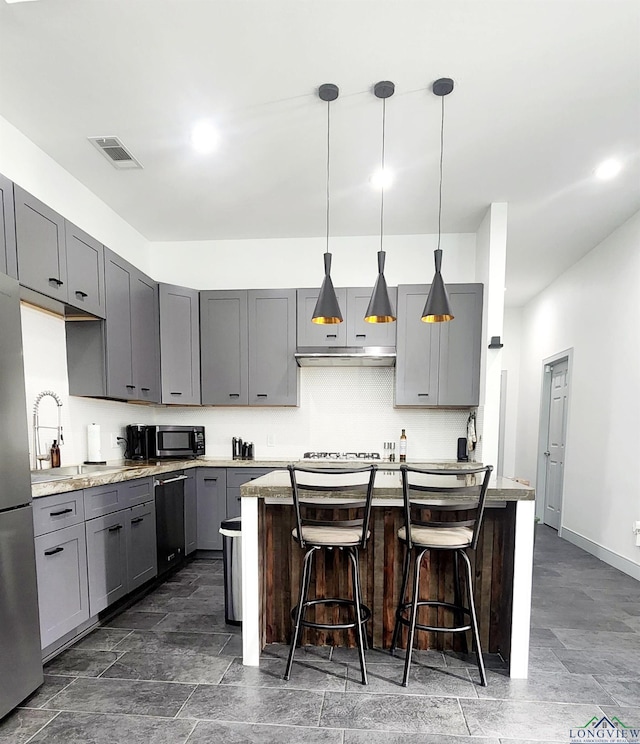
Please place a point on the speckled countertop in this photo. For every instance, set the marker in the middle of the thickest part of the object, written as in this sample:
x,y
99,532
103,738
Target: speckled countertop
x,y
119,471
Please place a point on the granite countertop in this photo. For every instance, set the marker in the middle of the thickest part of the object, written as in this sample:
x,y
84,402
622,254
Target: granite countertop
x,y
118,471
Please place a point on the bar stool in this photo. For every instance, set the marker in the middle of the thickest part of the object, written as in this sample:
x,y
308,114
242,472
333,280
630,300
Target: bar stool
x,y
445,491
336,490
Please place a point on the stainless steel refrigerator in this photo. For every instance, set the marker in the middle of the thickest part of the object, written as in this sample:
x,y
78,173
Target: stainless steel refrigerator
x,y
20,652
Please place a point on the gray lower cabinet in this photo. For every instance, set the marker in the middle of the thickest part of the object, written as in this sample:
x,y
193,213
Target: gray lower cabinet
x,y
85,271
235,478
438,364
190,513
142,557
8,256
247,342
107,559
211,495
63,594
40,240
179,344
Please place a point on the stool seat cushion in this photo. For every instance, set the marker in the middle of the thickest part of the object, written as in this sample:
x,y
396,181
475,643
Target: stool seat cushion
x,y
330,536
438,537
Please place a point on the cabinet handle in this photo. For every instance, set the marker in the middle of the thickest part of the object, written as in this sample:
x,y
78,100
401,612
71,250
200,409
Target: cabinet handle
x,y
361,335
57,514
145,390
116,528
234,395
81,295
130,387
137,520
423,395
262,395
54,551
332,335
172,393
55,281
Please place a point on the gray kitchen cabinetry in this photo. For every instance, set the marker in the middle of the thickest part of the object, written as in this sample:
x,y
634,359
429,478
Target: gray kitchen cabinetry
x,y
235,478
190,513
85,271
438,364
41,247
179,344
107,559
247,340
61,564
353,331
8,256
142,555
211,495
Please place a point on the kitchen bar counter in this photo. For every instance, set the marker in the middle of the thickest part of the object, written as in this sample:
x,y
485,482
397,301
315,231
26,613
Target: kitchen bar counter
x,y
271,567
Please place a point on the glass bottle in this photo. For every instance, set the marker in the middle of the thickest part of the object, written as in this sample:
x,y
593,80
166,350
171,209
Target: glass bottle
x,y
55,454
403,446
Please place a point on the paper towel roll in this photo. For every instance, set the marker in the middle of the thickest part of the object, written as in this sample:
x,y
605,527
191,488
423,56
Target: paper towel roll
x,y
94,453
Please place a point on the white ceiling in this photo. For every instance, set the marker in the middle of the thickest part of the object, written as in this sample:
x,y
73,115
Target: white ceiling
x,y
545,89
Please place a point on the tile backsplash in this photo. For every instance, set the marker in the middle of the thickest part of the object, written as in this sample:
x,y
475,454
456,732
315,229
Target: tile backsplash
x,y
341,409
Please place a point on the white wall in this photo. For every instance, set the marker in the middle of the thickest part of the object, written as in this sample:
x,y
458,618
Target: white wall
x,y
511,363
594,308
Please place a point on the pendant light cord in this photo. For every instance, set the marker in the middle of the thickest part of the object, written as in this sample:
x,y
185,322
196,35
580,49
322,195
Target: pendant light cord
x,y
328,146
441,158
382,175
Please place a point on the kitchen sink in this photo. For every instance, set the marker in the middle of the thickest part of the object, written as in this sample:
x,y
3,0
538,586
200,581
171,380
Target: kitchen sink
x,y
69,471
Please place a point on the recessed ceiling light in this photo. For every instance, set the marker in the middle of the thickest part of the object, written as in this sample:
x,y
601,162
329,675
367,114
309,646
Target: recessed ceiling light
x,y
381,179
608,169
204,137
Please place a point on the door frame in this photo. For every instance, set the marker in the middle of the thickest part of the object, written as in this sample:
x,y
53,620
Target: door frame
x,y
545,400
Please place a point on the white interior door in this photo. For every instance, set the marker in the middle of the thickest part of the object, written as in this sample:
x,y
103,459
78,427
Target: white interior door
x,y
555,447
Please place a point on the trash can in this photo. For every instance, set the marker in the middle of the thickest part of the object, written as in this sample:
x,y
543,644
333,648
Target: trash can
x,y
231,531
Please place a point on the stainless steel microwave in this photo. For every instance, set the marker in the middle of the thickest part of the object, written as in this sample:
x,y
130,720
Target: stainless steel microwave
x,y
175,442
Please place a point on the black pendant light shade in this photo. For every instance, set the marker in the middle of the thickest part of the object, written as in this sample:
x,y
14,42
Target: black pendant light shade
x,y
327,310
379,309
438,307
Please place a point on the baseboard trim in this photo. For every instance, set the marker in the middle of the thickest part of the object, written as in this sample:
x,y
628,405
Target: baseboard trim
x,y
604,554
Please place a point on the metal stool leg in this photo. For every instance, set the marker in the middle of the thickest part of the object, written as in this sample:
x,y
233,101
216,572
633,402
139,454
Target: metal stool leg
x,y
474,620
304,590
457,598
414,615
353,555
403,591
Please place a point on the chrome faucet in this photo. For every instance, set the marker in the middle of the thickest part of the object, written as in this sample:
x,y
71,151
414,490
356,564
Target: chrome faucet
x,y
38,458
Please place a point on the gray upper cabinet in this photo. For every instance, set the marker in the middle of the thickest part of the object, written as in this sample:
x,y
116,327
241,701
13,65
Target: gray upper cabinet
x,y
40,239
8,256
438,364
273,372
224,348
119,348
145,337
85,271
317,334
361,333
179,344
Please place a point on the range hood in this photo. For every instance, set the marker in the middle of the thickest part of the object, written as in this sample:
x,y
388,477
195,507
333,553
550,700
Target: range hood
x,y
346,356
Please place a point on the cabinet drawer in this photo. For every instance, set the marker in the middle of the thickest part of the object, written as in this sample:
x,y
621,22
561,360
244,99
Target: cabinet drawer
x,y
237,476
137,491
103,500
58,511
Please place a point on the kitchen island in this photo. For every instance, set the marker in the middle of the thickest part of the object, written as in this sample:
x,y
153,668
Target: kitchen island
x,y
503,567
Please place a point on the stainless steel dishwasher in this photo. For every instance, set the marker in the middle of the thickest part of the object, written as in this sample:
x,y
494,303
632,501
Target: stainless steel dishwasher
x,y
169,493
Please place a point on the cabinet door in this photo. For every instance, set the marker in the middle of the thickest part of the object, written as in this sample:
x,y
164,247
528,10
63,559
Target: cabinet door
x,y
179,344
55,512
107,559
8,257
145,336
136,491
142,557
417,350
361,333
273,372
118,327
85,271
101,500
190,513
224,348
63,595
235,478
42,261
314,334
211,494
460,341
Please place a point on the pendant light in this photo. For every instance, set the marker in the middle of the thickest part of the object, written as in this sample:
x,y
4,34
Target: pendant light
x,y
327,310
438,307
379,309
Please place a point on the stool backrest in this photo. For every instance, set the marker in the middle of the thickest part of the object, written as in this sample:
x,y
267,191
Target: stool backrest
x,y
445,490
332,489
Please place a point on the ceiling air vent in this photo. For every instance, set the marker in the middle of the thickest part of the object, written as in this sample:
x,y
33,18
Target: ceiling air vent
x,y
115,152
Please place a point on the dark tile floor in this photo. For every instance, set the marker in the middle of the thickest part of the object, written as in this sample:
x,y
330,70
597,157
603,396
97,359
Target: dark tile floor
x,y
168,671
